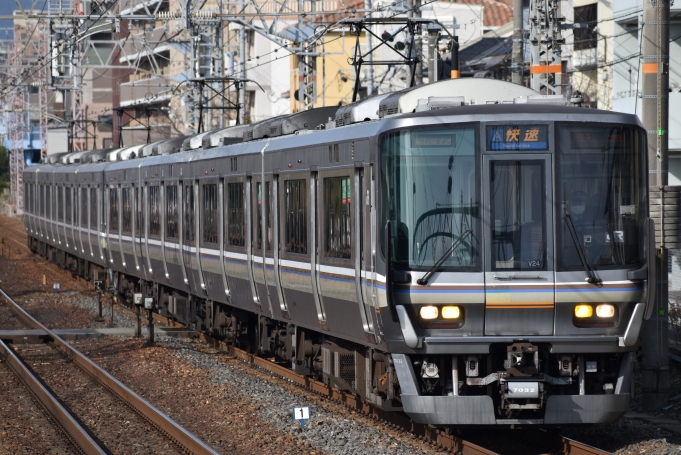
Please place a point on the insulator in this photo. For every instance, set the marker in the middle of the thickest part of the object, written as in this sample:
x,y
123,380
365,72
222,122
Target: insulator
x,y
204,14
168,15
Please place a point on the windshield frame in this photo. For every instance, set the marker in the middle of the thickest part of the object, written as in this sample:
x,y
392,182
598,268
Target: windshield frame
x,y
477,225
641,154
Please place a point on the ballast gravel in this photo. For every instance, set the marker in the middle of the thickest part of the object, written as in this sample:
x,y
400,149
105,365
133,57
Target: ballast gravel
x,y
328,430
235,408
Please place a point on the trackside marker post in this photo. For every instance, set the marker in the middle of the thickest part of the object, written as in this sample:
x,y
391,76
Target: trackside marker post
x,y
301,414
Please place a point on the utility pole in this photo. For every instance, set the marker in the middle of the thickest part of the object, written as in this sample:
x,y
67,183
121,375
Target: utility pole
x,y
546,40
414,10
655,109
433,38
518,58
370,56
242,74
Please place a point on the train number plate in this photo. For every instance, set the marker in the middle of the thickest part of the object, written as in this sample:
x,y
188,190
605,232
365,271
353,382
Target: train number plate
x,y
523,390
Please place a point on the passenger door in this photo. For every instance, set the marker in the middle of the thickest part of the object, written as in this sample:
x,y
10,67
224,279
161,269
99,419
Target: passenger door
x,y
519,273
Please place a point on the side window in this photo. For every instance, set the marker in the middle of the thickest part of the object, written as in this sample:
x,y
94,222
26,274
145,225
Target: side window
x,y
210,213
67,205
171,211
262,211
93,208
48,201
60,204
235,210
83,207
337,197
127,209
113,209
155,210
139,205
189,219
296,216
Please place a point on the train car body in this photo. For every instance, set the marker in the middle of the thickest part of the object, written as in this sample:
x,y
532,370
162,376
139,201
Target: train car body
x,y
472,264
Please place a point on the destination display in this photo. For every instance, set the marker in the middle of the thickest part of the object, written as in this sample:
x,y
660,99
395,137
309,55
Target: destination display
x,y
599,138
434,139
517,137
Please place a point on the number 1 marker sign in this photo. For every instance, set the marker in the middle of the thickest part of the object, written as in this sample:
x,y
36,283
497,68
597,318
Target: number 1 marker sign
x,y
301,414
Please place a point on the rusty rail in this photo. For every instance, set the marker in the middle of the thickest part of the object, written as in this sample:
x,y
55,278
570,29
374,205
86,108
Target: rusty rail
x,y
77,433
163,422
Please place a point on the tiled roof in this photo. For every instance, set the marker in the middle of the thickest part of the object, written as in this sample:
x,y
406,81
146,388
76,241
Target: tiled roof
x,y
496,12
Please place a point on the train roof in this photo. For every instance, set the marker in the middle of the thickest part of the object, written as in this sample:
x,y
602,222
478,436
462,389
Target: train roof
x,y
461,99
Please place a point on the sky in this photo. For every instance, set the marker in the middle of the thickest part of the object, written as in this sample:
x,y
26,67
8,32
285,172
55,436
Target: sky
x,y
7,8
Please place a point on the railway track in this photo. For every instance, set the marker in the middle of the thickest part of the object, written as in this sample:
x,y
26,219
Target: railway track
x,y
103,415
542,442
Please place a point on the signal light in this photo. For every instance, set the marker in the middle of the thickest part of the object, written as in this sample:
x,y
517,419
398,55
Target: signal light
x,y
584,311
429,312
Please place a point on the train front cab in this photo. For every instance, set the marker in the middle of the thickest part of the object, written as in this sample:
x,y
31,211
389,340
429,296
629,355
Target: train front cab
x,y
520,252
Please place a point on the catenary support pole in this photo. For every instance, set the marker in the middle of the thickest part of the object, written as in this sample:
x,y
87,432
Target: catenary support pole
x,y
517,56
655,109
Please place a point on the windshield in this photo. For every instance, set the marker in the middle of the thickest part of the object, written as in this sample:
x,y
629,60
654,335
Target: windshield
x,y
430,192
601,174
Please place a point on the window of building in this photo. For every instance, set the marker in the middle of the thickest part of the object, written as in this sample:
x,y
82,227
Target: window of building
x,y
586,38
235,210
210,213
189,236
83,208
337,196
296,216
126,199
155,210
113,209
171,211
93,208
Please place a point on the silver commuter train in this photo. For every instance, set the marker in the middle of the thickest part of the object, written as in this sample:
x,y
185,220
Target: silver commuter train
x,y
517,231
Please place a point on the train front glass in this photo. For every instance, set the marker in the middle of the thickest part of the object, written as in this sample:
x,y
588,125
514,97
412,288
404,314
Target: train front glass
x,y
430,180
601,192
431,190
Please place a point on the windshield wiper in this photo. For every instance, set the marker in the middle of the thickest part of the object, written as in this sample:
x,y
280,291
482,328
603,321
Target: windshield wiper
x,y
593,279
424,279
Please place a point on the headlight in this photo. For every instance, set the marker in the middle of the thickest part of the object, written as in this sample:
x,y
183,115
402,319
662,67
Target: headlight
x,y
584,311
605,310
451,312
428,312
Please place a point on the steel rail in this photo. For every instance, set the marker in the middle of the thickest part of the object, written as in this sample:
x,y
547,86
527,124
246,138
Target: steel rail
x,y
424,432
77,433
143,407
